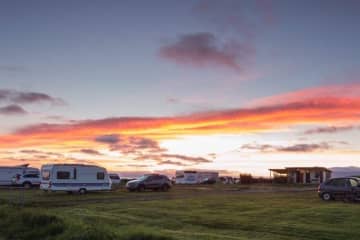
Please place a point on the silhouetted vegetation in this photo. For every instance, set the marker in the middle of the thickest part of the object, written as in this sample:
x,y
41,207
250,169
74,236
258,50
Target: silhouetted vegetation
x,y
249,179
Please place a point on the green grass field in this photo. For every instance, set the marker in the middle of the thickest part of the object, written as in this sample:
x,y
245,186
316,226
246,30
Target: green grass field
x,y
200,212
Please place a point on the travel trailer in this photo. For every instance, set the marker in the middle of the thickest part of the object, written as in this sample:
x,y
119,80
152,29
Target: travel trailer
x,y
8,172
74,178
195,177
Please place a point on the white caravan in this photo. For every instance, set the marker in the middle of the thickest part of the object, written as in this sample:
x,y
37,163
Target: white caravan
x,y
194,177
7,173
74,178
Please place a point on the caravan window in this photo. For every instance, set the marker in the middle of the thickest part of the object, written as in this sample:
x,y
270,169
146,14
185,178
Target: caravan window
x,y
46,175
31,176
63,175
100,175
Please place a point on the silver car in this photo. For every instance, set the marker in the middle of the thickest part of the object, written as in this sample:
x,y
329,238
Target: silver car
x,y
27,180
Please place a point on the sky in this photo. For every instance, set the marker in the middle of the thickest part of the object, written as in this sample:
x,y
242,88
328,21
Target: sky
x,y
163,85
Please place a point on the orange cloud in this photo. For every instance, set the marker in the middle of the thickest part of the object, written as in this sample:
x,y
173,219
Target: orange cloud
x,y
260,118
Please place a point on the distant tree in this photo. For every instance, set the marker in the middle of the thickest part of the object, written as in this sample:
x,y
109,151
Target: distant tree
x,y
246,178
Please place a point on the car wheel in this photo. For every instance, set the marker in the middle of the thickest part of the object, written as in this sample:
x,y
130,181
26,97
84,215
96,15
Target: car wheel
x,y
27,185
165,188
141,188
82,191
326,196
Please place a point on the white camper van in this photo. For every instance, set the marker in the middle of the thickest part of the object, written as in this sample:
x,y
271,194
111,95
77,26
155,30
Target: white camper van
x,y
74,178
7,173
195,177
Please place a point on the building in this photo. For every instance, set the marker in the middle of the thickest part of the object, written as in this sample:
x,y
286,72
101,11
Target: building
x,y
302,175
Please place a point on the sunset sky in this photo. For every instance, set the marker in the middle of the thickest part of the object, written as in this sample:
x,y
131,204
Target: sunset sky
x,y
155,86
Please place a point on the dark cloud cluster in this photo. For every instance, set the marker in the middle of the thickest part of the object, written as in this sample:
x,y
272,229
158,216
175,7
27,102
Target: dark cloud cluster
x,y
19,97
14,98
12,109
129,144
145,149
204,49
231,44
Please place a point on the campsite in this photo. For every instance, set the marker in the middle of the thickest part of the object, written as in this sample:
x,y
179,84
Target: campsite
x,y
180,120
186,212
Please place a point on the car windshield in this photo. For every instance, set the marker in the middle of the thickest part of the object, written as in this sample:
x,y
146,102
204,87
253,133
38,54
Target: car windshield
x,y
142,178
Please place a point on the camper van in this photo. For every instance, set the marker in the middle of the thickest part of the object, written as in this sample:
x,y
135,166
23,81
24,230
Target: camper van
x,y
7,173
74,178
195,177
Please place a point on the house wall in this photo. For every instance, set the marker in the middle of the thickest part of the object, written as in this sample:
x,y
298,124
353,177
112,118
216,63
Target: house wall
x,y
315,176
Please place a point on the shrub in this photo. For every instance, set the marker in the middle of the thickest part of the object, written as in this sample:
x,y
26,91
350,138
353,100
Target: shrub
x,y
27,225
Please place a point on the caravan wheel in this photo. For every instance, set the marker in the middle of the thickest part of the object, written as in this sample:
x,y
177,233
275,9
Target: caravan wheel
x,y
82,191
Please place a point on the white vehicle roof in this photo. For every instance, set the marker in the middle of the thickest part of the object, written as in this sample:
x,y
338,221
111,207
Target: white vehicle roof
x,y
69,165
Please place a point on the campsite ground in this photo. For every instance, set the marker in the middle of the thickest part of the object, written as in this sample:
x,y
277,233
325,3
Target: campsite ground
x,y
186,212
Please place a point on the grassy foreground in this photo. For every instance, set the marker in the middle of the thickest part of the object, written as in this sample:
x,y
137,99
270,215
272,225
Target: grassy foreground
x,y
183,213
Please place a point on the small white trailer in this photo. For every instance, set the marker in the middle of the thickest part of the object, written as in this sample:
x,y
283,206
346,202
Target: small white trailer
x,y
194,176
8,172
74,178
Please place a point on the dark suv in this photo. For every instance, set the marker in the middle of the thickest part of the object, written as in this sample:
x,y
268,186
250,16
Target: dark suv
x,y
150,181
347,188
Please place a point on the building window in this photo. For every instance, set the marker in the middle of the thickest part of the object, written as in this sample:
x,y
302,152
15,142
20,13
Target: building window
x,y
63,175
100,175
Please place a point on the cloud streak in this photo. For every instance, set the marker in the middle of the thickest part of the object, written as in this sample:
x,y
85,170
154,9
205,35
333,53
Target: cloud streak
x,y
12,109
330,129
19,97
296,148
90,152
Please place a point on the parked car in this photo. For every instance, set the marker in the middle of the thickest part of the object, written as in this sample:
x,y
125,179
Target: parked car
x,y
347,188
208,181
149,181
115,179
125,180
26,180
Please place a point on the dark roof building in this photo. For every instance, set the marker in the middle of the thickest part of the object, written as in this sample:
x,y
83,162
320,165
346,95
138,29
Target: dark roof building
x,y
302,175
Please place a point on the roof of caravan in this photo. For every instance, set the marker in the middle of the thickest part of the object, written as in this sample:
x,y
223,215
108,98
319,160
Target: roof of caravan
x,y
70,165
20,166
